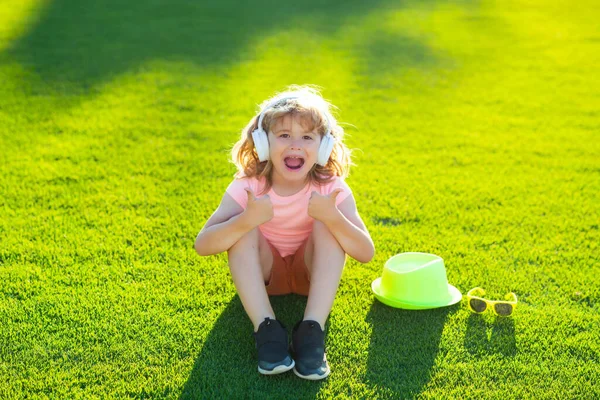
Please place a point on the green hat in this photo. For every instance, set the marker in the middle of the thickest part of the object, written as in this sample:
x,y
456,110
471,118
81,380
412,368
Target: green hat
x,y
415,281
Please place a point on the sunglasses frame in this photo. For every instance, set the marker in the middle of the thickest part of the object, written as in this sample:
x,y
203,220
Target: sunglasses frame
x,y
490,304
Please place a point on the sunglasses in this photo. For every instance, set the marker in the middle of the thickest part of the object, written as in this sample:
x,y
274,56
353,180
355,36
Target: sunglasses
x,y
503,308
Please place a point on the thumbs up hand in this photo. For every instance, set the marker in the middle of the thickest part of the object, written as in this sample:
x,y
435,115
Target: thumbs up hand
x,y
259,210
322,207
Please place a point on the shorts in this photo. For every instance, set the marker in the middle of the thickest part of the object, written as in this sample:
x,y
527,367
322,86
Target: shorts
x,y
289,274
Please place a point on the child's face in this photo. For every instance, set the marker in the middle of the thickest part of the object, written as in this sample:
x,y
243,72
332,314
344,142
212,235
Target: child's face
x,y
293,147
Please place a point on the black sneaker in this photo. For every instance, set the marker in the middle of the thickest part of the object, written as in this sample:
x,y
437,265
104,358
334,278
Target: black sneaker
x,y
308,347
272,345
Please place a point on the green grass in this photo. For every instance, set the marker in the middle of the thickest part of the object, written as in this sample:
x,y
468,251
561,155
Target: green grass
x,y
478,127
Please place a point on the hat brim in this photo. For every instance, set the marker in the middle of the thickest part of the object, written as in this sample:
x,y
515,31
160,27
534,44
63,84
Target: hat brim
x,y
455,297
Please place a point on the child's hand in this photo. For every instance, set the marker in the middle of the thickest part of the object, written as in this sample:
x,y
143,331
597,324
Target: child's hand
x,y
259,210
321,207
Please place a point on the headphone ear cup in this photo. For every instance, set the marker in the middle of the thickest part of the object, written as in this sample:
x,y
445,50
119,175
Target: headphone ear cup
x,y
261,143
325,149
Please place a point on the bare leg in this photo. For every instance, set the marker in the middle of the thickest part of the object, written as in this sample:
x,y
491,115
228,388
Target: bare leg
x,y
250,262
325,260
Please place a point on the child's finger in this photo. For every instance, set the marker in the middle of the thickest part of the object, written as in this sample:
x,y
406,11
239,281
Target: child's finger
x,y
250,194
334,194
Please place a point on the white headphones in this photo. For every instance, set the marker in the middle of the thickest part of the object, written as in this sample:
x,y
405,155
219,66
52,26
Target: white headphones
x,y
261,142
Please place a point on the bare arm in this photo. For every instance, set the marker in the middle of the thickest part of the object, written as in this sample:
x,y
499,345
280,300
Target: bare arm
x,y
223,229
350,231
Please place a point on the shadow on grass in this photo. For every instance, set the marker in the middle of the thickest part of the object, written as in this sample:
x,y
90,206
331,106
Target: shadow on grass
x,y
500,341
86,42
403,348
227,365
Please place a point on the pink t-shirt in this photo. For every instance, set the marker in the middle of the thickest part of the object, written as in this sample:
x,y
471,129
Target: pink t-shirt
x,y
291,225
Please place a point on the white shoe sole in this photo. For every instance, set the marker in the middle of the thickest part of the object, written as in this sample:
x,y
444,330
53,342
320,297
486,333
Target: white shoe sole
x,y
313,377
280,369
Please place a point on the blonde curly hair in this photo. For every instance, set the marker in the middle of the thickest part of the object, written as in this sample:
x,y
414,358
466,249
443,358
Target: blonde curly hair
x,y
314,112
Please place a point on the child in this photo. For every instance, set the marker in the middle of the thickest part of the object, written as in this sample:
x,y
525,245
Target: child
x,y
287,221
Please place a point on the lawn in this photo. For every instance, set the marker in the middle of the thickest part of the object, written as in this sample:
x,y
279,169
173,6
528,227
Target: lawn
x,y
476,129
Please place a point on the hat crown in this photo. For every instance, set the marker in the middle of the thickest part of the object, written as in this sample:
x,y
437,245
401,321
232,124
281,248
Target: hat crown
x,y
417,278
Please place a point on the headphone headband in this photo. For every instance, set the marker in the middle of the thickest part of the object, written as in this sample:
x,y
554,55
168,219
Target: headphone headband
x,y
291,97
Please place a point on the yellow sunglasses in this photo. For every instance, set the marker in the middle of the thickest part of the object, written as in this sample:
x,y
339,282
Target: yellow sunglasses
x,y
503,308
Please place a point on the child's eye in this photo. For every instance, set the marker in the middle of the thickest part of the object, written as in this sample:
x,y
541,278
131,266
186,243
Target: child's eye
x,y
308,137
284,135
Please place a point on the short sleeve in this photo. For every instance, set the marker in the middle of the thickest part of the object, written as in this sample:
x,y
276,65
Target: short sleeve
x,y
336,183
236,189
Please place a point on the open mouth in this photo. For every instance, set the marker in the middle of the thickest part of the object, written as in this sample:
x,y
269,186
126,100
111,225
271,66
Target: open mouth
x,y
294,163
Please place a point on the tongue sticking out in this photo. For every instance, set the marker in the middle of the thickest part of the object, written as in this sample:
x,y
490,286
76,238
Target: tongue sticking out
x,y
294,163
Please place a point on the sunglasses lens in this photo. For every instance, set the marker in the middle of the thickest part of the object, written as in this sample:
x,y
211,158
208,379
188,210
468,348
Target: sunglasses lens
x,y
503,309
478,305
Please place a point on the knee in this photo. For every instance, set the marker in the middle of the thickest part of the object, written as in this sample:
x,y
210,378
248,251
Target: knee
x,y
246,243
323,244
321,235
